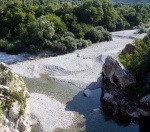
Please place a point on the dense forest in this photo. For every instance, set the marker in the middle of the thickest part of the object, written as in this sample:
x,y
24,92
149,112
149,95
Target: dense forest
x,y
64,26
132,1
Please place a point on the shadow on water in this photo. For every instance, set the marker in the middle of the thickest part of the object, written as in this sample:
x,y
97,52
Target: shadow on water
x,y
101,120
88,120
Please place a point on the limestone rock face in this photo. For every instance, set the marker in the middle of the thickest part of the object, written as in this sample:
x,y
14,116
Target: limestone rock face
x,y
116,80
116,73
129,49
14,102
14,110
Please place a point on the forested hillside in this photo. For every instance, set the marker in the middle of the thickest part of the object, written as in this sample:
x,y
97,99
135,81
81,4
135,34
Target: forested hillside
x,y
132,1
34,25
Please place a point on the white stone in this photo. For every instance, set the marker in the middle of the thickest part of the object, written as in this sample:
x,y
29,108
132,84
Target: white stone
x,y
87,92
96,109
14,110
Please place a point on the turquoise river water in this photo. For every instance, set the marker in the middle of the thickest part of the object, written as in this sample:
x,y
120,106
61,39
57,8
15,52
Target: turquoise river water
x,y
99,121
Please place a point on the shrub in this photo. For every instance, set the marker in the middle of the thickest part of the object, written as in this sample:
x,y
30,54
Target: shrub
x,y
35,49
142,30
100,28
89,42
10,49
15,48
60,47
69,34
107,35
3,44
94,35
70,43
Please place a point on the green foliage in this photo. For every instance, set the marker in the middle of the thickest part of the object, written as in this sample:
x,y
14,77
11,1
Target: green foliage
x,y
20,97
107,35
41,24
94,35
41,32
3,44
138,63
109,16
1,114
60,27
70,43
42,28
15,48
90,12
142,30
133,61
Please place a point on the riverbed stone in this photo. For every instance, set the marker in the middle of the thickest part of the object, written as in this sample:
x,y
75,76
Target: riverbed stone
x,y
87,93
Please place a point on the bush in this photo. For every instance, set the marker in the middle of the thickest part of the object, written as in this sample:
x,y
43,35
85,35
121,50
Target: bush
x,y
70,43
10,48
15,48
69,34
107,35
60,47
81,43
94,35
35,49
142,30
89,42
3,44
100,28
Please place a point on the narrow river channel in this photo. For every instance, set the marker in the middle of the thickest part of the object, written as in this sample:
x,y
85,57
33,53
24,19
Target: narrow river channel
x,y
86,119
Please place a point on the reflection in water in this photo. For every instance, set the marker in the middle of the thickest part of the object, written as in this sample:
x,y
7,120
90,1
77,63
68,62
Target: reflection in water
x,y
86,119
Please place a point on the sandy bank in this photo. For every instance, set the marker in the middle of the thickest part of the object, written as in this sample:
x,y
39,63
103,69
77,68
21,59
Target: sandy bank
x,y
82,71
79,71
50,112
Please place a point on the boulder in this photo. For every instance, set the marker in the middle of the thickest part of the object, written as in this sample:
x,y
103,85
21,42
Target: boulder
x,y
114,71
115,80
87,93
129,49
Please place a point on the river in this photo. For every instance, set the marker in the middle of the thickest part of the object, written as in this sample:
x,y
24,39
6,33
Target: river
x,y
86,120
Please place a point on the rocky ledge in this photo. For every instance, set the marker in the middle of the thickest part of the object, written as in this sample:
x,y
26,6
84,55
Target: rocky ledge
x,y
116,82
14,102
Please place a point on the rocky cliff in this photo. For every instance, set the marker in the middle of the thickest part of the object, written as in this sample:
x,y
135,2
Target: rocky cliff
x,y
14,102
116,84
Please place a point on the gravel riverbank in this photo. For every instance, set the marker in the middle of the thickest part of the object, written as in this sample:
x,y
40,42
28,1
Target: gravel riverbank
x,y
81,68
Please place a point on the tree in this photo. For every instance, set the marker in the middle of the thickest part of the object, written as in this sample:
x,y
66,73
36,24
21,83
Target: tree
x,y
41,31
94,35
90,12
109,16
60,27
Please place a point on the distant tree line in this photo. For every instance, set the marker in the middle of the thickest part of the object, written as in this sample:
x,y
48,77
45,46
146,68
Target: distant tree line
x,y
63,26
132,1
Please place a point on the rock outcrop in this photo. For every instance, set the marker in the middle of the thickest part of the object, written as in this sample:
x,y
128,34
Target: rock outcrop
x,y
129,49
14,102
116,83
